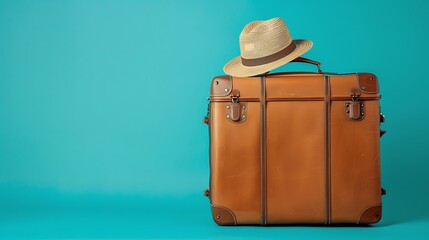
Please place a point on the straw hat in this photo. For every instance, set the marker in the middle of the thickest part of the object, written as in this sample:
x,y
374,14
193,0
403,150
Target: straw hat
x,y
264,46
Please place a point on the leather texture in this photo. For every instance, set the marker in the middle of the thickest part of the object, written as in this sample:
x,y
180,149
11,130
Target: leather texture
x,y
299,157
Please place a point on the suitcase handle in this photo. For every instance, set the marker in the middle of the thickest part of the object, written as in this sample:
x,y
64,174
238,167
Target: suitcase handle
x,y
309,61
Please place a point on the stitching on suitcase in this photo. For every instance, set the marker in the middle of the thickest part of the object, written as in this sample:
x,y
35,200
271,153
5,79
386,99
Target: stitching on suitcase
x,y
360,216
328,148
232,213
263,153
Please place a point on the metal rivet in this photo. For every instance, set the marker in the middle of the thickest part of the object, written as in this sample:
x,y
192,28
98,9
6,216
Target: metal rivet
x,y
226,89
361,105
227,116
347,105
244,116
216,82
363,87
376,215
244,107
347,111
227,107
362,114
372,78
217,216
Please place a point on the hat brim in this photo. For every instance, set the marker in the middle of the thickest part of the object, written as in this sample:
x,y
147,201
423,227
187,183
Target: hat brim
x,y
237,69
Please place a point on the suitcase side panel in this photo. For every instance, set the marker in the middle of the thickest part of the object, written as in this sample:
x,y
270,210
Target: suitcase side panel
x,y
235,166
355,158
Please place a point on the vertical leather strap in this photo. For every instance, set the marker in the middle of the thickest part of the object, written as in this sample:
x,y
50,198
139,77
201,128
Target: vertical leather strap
x,y
328,147
263,151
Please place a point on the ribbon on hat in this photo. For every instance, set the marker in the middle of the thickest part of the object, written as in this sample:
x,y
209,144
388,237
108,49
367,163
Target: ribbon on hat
x,y
251,62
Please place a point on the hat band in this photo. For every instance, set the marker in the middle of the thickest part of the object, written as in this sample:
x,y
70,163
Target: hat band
x,y
270,58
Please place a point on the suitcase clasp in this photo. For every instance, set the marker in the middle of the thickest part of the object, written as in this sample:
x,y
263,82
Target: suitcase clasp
x,y
236,111
235,95
355,109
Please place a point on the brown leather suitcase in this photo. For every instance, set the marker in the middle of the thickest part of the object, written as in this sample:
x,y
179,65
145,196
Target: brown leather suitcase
x,y
295,148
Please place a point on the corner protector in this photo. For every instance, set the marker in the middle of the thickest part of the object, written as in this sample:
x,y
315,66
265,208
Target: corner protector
x,y
371,215
223,216
368,83
221,86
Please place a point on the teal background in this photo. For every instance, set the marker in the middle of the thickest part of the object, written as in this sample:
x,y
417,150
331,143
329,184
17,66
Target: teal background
x,y
101,105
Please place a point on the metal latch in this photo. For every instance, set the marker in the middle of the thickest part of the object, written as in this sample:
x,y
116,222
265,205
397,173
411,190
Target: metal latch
x,y
236,111
355,109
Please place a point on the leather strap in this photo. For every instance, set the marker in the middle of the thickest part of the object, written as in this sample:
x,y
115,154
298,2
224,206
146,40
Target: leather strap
x,y
263,150
270,58
328,148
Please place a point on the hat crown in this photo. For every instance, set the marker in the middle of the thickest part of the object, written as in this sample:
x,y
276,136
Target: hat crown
x,y
263,38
